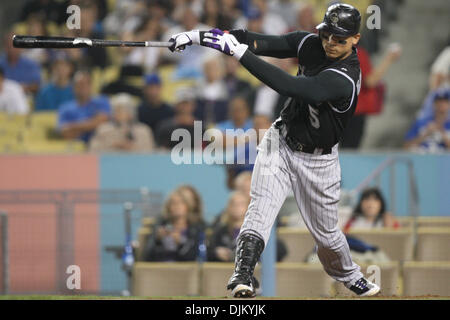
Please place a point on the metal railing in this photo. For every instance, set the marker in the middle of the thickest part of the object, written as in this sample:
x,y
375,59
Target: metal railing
x,y
375,175
64,203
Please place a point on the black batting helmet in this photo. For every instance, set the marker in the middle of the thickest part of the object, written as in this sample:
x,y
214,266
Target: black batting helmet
x,y
341,20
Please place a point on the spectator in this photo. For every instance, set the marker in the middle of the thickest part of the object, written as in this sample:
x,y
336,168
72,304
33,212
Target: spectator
x,y
222,244
371,95
36,27
268,102
183,119
90,27
235,85
427,109
214,16
432,134
440,70
126,82
78,119
60,89
147,58
12,98
242,182
212,92
153,109
190,63
176,234
18,68
260,19
123,132
194,198
239,116
306,20
371,212
286,9
49,10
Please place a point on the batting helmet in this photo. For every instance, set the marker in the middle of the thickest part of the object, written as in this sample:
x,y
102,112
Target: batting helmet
x,y
341,20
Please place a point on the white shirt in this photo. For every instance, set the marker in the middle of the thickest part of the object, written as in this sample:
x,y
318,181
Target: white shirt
x,y
13,98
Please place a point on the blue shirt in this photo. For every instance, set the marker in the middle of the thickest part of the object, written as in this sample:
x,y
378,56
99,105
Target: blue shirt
x,y
72,112
433,142
51,97
24,71
228,124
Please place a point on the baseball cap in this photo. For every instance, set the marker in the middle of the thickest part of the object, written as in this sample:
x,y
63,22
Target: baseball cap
x,y
254,14
443,94
152,79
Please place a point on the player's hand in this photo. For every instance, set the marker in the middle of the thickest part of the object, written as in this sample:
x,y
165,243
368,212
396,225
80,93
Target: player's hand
x,y
224,42
183,39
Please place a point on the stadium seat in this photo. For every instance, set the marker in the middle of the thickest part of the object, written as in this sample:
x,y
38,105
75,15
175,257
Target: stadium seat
x,y
215,276
398,244
405,222
433,244
142,236
388,279
164,279
433,222
299,243
302,280
426,278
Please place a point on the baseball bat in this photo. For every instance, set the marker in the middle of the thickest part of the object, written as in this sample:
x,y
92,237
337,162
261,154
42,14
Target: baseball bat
x,y
67,43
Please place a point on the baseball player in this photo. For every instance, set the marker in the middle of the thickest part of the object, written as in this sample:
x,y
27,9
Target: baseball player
x,y
322,98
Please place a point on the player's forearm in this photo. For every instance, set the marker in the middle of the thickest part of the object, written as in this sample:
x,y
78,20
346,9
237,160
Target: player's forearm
x,y
268,45
311,89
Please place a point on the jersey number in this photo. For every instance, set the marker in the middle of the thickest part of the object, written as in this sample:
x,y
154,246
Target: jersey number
x,y
314,117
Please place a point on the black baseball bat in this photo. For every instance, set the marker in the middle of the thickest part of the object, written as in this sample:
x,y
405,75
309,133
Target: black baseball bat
x,y
66,43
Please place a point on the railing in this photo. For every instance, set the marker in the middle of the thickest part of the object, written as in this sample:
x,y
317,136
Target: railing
x,y
63,207
375,175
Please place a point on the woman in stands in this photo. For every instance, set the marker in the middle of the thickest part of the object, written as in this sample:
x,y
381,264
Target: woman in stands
x,y
177,233
371,212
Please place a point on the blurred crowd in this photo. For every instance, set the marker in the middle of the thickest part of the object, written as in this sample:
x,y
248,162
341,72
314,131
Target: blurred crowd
x,y
116,99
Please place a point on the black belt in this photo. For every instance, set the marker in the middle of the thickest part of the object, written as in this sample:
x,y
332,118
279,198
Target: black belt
x,y
296,145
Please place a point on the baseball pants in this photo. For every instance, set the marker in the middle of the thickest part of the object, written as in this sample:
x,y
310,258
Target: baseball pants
x,y
315,181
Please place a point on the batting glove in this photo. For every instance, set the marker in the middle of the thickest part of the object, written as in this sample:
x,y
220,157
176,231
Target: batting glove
x,y
224,42
183,39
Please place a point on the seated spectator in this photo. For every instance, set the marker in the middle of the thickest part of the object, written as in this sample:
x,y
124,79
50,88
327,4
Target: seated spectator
x,y
440,74
78,119
177,233
194,198
190,63
50,10
212,92
222,244
153,109
371,95
242,182
60,89
18,68
432,134
12,97
123,132
371,212
239,116
427,109
183,119
36,26
235,85
305,19
147,58
214,16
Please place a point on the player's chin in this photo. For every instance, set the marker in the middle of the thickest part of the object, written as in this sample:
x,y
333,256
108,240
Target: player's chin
x,y
332,54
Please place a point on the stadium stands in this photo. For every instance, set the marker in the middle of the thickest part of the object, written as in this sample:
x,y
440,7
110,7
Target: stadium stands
x,y
426,278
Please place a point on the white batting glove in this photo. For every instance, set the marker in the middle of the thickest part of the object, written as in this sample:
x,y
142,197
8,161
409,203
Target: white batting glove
x,y
224,42
183,39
